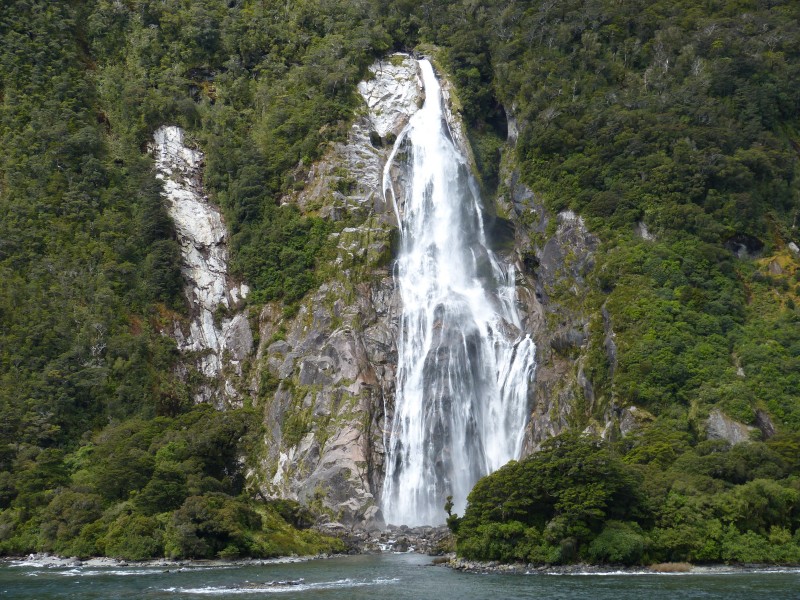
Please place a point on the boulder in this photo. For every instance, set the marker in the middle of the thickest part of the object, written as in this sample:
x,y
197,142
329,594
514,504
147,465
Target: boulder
x,y
721,427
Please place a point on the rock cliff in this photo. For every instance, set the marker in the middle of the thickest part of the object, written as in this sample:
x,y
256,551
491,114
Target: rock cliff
x,y
326,374
555,256
565,314
217,338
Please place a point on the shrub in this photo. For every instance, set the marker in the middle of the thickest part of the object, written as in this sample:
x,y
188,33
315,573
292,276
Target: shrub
x,y
748,547
134,537
619,542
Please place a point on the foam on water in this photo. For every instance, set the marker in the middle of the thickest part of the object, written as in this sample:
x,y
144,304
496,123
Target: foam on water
x,y
278,588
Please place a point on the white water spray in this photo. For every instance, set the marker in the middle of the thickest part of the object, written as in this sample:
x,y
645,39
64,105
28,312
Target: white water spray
x,y
464,365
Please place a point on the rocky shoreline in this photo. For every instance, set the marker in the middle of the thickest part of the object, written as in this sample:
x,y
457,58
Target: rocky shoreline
x,y
433,541
436,542
493,567
496,568
52,561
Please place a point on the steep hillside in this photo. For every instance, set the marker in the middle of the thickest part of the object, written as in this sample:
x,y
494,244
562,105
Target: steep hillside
x,y
105,341
638,163
670,132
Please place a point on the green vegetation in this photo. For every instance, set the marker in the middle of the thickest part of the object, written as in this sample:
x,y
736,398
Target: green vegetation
x,y
579,499
680,116
263,87
169,486
683,117
90,264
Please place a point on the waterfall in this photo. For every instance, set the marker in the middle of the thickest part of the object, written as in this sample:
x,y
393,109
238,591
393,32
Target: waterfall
x,y
464,364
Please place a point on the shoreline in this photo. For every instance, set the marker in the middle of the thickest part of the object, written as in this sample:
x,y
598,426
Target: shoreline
x,y
450,561
426,540
583,569
53,561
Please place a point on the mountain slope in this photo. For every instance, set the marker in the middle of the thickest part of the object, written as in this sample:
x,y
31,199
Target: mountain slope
x,y
642,162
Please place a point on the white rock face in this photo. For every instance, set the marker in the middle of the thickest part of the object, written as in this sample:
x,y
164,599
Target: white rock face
x,y
393,94
641,230
203,239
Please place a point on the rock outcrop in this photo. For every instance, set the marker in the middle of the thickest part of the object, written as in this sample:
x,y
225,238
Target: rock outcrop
x,y
326,374
217,339
721,427
555,255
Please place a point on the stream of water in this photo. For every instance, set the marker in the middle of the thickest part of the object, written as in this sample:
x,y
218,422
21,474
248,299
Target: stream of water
x,y
464,364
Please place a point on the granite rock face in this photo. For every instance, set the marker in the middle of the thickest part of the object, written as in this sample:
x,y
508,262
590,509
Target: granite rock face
x,y
393,94
217,339
348,180
326,374
721,427
555,255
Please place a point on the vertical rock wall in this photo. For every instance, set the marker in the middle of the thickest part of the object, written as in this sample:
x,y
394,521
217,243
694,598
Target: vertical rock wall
x,y
555,255
326,375
217,338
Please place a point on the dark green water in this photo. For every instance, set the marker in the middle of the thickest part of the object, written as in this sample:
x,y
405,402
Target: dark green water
x,y
398,576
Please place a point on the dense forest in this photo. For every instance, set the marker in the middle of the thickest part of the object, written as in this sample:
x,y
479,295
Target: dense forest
x,y
674,116
684,118
102,451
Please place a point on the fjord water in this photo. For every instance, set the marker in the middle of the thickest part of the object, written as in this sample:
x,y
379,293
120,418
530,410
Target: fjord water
x,y
464,365
391,576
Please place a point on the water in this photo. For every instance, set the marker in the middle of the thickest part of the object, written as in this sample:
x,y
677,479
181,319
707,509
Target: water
x,y
394,576
464,364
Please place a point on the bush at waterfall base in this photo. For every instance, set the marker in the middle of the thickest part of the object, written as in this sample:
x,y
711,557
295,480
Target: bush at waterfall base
x,y
582,500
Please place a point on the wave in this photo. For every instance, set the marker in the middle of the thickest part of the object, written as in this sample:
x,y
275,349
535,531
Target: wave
x,y
79,572
50,561
280,587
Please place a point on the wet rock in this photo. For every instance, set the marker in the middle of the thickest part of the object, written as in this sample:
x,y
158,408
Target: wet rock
x,y
764,424
568,340
609,342
433,541
745,246
555,256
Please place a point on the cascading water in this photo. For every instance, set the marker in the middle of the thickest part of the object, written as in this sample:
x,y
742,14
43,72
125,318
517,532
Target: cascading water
x,y
464,365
